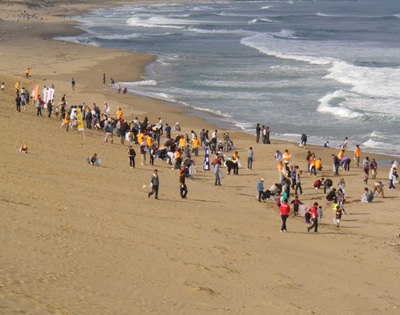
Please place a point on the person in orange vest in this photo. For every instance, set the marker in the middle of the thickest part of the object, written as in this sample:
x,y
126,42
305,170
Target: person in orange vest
x,y
236,161
65,122
17,85
312,164
182,142
357,154
119,113
178,159
140,138
195,146
281,171
286,158
341,154
27,73
149,141
318,165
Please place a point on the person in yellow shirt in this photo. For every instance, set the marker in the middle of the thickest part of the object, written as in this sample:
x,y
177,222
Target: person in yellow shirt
x,y
182,142
140,138
27,73
357,154
318,165
119,113
149,141
312,161
341,154
178,159
281,171
17,85
286,158
195,146
65,122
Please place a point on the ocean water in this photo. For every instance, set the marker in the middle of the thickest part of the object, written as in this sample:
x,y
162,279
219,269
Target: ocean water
x,y
329,69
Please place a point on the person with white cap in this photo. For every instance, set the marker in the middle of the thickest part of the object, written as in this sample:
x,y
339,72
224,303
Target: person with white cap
x,y
260,189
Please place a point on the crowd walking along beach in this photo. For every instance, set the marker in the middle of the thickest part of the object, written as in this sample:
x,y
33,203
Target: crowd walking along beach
x,y
157,141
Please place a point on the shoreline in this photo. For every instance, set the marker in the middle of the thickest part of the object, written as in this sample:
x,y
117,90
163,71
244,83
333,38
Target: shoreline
x,y
79,239
219,121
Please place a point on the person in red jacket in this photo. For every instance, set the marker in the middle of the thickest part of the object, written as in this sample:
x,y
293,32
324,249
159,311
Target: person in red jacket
x,y
284,210
314,218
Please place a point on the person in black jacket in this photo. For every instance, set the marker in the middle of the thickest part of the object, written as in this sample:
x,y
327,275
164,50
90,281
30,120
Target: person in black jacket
x,y
131,155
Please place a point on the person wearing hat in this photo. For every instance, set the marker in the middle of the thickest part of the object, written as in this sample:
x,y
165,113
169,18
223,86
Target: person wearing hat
x,y
155,183
260,189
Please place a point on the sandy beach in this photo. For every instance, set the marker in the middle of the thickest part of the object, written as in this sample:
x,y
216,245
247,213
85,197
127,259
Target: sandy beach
x,y
79,239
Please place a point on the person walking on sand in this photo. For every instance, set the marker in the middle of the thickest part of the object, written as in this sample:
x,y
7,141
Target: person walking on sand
x,y
18,103
155,184
338,216
258,133
216,166
182,184
298,187
260,189
284,211
357,154
366,166
393,177
314,218
131,156
73,82
374,168
250,158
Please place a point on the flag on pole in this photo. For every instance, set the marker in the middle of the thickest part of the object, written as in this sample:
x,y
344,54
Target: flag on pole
x,y
206,163
36,89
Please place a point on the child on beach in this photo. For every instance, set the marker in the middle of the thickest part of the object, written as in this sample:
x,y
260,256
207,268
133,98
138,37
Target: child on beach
x,y
338,216
307,216
23,149
296,203
318,183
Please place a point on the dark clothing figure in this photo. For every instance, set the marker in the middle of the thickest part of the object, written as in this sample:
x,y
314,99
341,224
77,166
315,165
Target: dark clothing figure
x,y
49,108
18,103
182,184
131,155
336,164
327,184
155,183
258,133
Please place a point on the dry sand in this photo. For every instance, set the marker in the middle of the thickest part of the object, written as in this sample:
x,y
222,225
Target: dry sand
x,y
78,239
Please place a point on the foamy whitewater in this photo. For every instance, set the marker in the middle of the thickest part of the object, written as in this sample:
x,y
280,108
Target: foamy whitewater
x,y
329,69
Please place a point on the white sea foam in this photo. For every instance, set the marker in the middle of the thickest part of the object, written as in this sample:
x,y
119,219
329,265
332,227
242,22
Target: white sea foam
x,y
260,20
374,82
271,45
265,7
216,32
286,34
78,40
371,144
333,103
159,21
140,83
118,36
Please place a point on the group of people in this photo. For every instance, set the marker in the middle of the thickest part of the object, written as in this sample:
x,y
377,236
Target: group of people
x,y
290,178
